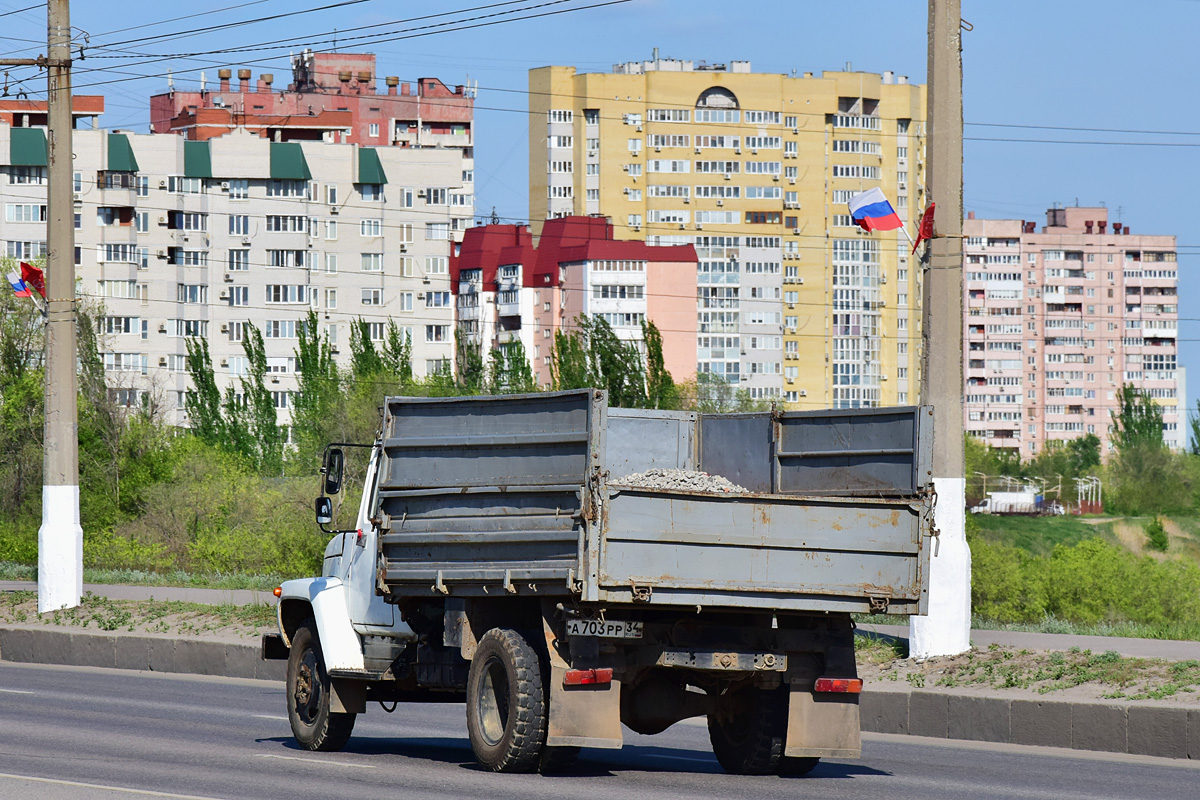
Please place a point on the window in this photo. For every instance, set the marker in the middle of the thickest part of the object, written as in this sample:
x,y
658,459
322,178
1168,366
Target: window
x,y
287,258
239,225
560,115
287,188
439,299
372,297
436,265
634,220
561,141
287,294
436,196
15,212
330,229
635,170
372,262
373,129
591,116
286,224
239,189
635,145
330,263
657,114
179,185
239,260
405,301
437,231
762,117
437,333
278,329
191,293
370,227
371,192
671,166
239,295
190,327
27,175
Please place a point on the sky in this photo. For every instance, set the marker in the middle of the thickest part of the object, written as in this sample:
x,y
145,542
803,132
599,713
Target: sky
x,y
1069,66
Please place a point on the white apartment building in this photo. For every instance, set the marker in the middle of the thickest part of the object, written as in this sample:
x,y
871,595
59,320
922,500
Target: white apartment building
x,y
178,238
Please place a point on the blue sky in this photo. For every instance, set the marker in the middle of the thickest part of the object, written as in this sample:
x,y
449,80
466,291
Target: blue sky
x,y
1065,63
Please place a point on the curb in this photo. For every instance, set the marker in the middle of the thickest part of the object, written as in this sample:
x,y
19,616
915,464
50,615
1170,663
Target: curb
x,y
1163,731
126,651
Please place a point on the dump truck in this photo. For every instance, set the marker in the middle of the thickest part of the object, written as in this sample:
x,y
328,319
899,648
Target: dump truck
x,y
504,555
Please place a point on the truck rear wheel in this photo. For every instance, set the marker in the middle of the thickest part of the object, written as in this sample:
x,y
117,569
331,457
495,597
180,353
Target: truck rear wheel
x,y
313,724
748,731
506,706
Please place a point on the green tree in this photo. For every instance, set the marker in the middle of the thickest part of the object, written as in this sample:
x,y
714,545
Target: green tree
x,y
397,353
472,373
364,358
1139,420
1144,476
262,420
1194,422
203,403
318,392
570,366
661,391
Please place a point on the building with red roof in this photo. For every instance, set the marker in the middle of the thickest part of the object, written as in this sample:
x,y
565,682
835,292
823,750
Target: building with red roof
x,y
508,288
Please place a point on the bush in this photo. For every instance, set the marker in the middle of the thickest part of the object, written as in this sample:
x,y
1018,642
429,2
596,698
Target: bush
x,y
1157,535
1089,583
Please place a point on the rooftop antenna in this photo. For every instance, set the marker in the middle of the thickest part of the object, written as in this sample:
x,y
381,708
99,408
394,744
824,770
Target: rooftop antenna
x,y
495,216
335,40
203,81
170,82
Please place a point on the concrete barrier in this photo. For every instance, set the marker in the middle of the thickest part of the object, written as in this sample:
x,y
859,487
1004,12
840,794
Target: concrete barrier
x,y
1167,731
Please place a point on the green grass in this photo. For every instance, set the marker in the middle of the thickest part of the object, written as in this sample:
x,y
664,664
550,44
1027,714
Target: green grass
x,y
135,577
1176,632
1037,535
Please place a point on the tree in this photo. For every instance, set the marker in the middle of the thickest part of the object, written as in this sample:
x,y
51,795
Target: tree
x,y
1194,421
1139,420
661,391
471,372
203,403
318,392
262,420
364,358
397,353
509,371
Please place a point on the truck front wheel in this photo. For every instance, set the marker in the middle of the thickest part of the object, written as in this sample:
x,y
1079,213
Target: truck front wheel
x,y
748,730
506,707
313,724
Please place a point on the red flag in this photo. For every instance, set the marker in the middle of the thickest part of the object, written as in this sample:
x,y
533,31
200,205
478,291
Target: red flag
x,y
925,229
34,277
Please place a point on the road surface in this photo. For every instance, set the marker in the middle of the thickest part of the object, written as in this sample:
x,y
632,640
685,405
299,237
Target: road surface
x,y
79,733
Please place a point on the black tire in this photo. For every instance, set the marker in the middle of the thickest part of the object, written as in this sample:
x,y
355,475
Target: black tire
x,y
557,759
797,766
506,706
748,731
313,724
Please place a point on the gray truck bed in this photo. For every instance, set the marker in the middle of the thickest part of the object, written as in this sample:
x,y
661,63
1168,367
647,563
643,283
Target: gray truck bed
x,y
522,495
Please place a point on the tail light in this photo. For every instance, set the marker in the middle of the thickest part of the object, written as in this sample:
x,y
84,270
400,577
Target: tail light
x,y
844,685
587,677
277,591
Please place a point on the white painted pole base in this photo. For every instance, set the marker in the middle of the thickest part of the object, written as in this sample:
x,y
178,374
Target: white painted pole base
x,y
60,550
946,630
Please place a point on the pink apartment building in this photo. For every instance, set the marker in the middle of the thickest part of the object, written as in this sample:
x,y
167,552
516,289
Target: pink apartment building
x,y
508,288
1057,320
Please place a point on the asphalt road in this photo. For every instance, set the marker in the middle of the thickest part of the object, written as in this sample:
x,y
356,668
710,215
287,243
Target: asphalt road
x,y
68,732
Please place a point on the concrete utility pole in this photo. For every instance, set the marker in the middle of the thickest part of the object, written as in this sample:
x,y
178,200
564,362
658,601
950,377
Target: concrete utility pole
x,y
946,630
60,539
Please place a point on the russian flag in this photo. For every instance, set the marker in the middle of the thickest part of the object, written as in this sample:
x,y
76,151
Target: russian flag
x,y
872,211
18,285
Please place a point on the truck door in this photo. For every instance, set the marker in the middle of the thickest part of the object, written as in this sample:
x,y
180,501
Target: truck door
x,y
366,607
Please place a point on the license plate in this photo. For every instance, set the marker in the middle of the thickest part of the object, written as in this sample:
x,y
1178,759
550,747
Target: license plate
x,y
606,629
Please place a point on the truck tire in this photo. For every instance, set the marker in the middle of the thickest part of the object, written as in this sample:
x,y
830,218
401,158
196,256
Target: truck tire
x,y
506,706
748,731
313,724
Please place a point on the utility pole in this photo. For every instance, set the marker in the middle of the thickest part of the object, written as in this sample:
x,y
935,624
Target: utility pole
x,y
60,539
946,629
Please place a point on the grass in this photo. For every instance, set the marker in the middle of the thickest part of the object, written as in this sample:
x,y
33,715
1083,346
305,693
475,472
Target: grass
x,y
155,616
134,577
1037,535
1177,632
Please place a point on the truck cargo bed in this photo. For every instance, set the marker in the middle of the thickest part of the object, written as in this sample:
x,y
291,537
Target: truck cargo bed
x,y
523,495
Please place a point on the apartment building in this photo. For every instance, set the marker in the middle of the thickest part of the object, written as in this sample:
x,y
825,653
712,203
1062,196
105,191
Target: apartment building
x,y
1057,320
178,238
509,289
332,97
793,301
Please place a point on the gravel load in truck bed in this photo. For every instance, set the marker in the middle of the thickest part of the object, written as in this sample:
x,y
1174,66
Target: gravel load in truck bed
x,y
683,480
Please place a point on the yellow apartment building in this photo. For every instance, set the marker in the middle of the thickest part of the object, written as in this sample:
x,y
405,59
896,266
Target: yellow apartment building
x,y
794,302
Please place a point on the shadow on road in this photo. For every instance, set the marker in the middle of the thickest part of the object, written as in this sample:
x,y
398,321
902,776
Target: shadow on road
x,y
591,763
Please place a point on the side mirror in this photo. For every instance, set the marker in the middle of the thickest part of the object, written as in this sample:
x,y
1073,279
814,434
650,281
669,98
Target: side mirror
x,y
324,507
335,462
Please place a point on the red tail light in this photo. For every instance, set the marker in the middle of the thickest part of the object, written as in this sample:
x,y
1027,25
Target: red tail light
x,y
587,677
277,591
846,685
